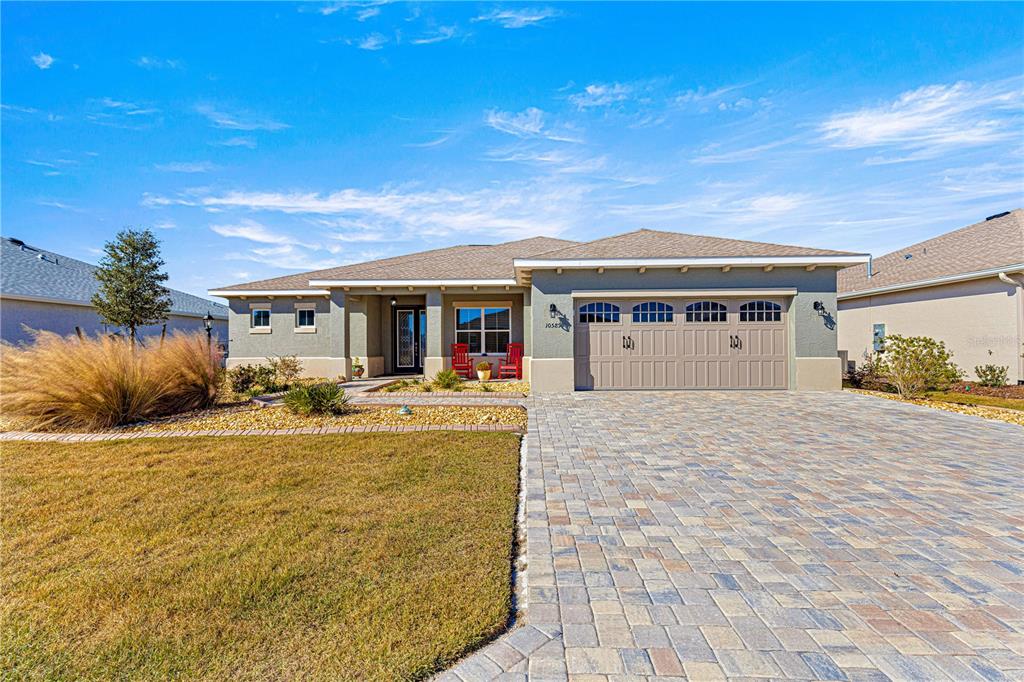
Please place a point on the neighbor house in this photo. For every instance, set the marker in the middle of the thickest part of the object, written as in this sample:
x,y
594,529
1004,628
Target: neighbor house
x,y
644,309
962,288
45,290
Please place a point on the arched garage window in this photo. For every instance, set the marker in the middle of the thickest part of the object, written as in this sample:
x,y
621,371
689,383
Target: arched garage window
x,y
652,311
599,312
760,311
705,311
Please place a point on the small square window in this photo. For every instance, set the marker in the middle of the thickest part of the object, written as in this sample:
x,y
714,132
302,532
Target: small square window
x,y
261,317
306,317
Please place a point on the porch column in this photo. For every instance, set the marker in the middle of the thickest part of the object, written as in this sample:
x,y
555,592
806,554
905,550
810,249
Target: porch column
x,y
338,320
364,333
433,357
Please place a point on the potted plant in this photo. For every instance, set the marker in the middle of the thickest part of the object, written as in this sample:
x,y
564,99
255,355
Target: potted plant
x,y
483,371
357,368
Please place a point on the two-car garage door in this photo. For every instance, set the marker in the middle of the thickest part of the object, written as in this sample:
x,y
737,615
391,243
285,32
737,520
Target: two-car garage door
x,y
681,343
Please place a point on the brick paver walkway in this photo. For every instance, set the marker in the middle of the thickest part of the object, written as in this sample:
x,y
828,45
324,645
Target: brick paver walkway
x,y
766,535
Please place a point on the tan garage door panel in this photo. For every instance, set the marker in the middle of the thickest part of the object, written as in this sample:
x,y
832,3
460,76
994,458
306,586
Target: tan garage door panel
x,y
730,344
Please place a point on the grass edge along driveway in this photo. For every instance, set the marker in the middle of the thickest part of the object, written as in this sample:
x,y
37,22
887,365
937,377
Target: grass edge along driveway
x,y
377,556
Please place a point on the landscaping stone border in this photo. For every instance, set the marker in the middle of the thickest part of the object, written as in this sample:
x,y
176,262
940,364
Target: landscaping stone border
x,y
32,436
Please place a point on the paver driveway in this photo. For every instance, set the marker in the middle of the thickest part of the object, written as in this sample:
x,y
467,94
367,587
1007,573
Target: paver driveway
x,y
788,535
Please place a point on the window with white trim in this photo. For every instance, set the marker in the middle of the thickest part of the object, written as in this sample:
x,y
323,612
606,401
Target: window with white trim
x,y
599,312
760,311
260,318
305,318
484,330
652,311
705,311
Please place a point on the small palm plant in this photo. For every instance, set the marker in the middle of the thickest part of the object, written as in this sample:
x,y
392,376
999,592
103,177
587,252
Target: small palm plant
x,y
322,398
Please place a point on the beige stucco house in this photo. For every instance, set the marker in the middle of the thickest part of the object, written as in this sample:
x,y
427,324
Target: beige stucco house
x,y
963,288
644,309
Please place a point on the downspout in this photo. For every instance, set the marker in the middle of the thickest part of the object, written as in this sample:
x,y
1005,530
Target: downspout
x,y
1008,279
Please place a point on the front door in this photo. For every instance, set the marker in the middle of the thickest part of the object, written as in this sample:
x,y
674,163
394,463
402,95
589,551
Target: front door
x,y
410,324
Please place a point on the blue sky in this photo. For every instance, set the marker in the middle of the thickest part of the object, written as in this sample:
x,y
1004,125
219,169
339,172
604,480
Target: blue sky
x,y
263,139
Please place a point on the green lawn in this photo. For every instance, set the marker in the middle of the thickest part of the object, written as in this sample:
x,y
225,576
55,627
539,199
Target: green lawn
x,y
975,399
377,556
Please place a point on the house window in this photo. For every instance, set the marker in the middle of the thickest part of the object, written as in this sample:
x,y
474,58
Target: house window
x,y
261,318
484,330
305,318
599,312
652,311
705,311
760,311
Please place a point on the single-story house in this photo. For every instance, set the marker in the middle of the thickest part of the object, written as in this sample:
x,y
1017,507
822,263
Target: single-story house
x,y
45,290
963,288
645,309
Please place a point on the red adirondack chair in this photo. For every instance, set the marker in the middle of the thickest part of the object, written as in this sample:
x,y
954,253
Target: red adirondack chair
x,y
461,363
512,366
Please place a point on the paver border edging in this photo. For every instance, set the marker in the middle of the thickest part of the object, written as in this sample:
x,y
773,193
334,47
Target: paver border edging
x,y
31,436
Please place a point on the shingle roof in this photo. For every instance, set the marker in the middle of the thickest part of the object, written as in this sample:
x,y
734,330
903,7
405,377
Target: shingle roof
x,y
454,262
982,246
658,244
31,271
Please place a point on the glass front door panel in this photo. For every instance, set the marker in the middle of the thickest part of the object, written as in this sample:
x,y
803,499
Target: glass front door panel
x,y
406,338
423,335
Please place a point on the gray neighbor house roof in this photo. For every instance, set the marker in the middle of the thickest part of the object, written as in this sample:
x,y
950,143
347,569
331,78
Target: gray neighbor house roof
x,y
994,243
32,273
470,262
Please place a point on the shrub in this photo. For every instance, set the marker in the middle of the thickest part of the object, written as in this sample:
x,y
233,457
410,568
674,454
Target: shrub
x,y
446,379
915,364
286,369
96,383
867,377
278,374
483,367
992,375
322,398
244,379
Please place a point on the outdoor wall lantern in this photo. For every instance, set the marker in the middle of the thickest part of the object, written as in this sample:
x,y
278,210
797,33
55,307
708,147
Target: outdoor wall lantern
x,y
553,310
394,301
208,324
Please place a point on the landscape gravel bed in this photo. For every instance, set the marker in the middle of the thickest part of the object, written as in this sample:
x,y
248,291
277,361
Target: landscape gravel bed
x,y
984,411
520,387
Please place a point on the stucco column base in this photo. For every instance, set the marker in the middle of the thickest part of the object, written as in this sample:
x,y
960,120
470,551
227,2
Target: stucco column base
x,y
819,374
374,365
432,366
552,375
526,367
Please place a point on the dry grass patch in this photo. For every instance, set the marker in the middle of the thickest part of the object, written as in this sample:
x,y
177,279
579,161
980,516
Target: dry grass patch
x,y
305,557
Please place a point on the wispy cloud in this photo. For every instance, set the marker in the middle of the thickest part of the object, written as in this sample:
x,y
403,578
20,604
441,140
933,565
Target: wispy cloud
x,y
526,124
186,167
436,142
713,154
443,33
239,141
923,123
602,95
547,206
374,41
123,114
164,225
43,60
158,63
253,231
367,13
220,118
519,18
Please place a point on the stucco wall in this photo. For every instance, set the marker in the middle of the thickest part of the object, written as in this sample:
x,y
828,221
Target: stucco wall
x,y
972,318
322,351
812,337
62,319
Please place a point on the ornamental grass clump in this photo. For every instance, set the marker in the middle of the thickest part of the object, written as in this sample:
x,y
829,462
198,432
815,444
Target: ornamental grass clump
x,y
68,383
446,379
322,398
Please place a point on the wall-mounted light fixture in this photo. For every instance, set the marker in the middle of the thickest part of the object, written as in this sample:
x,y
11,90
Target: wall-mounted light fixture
x,y
394,301
819,308
553,310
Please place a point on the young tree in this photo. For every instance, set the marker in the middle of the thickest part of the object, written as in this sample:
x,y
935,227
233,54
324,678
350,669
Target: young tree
x,y
132,293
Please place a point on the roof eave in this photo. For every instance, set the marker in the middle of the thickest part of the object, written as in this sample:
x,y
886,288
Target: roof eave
x,y
933,282
336,283
238,293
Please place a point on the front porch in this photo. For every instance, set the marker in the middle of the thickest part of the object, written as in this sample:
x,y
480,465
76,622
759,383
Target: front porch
x,y
411,332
